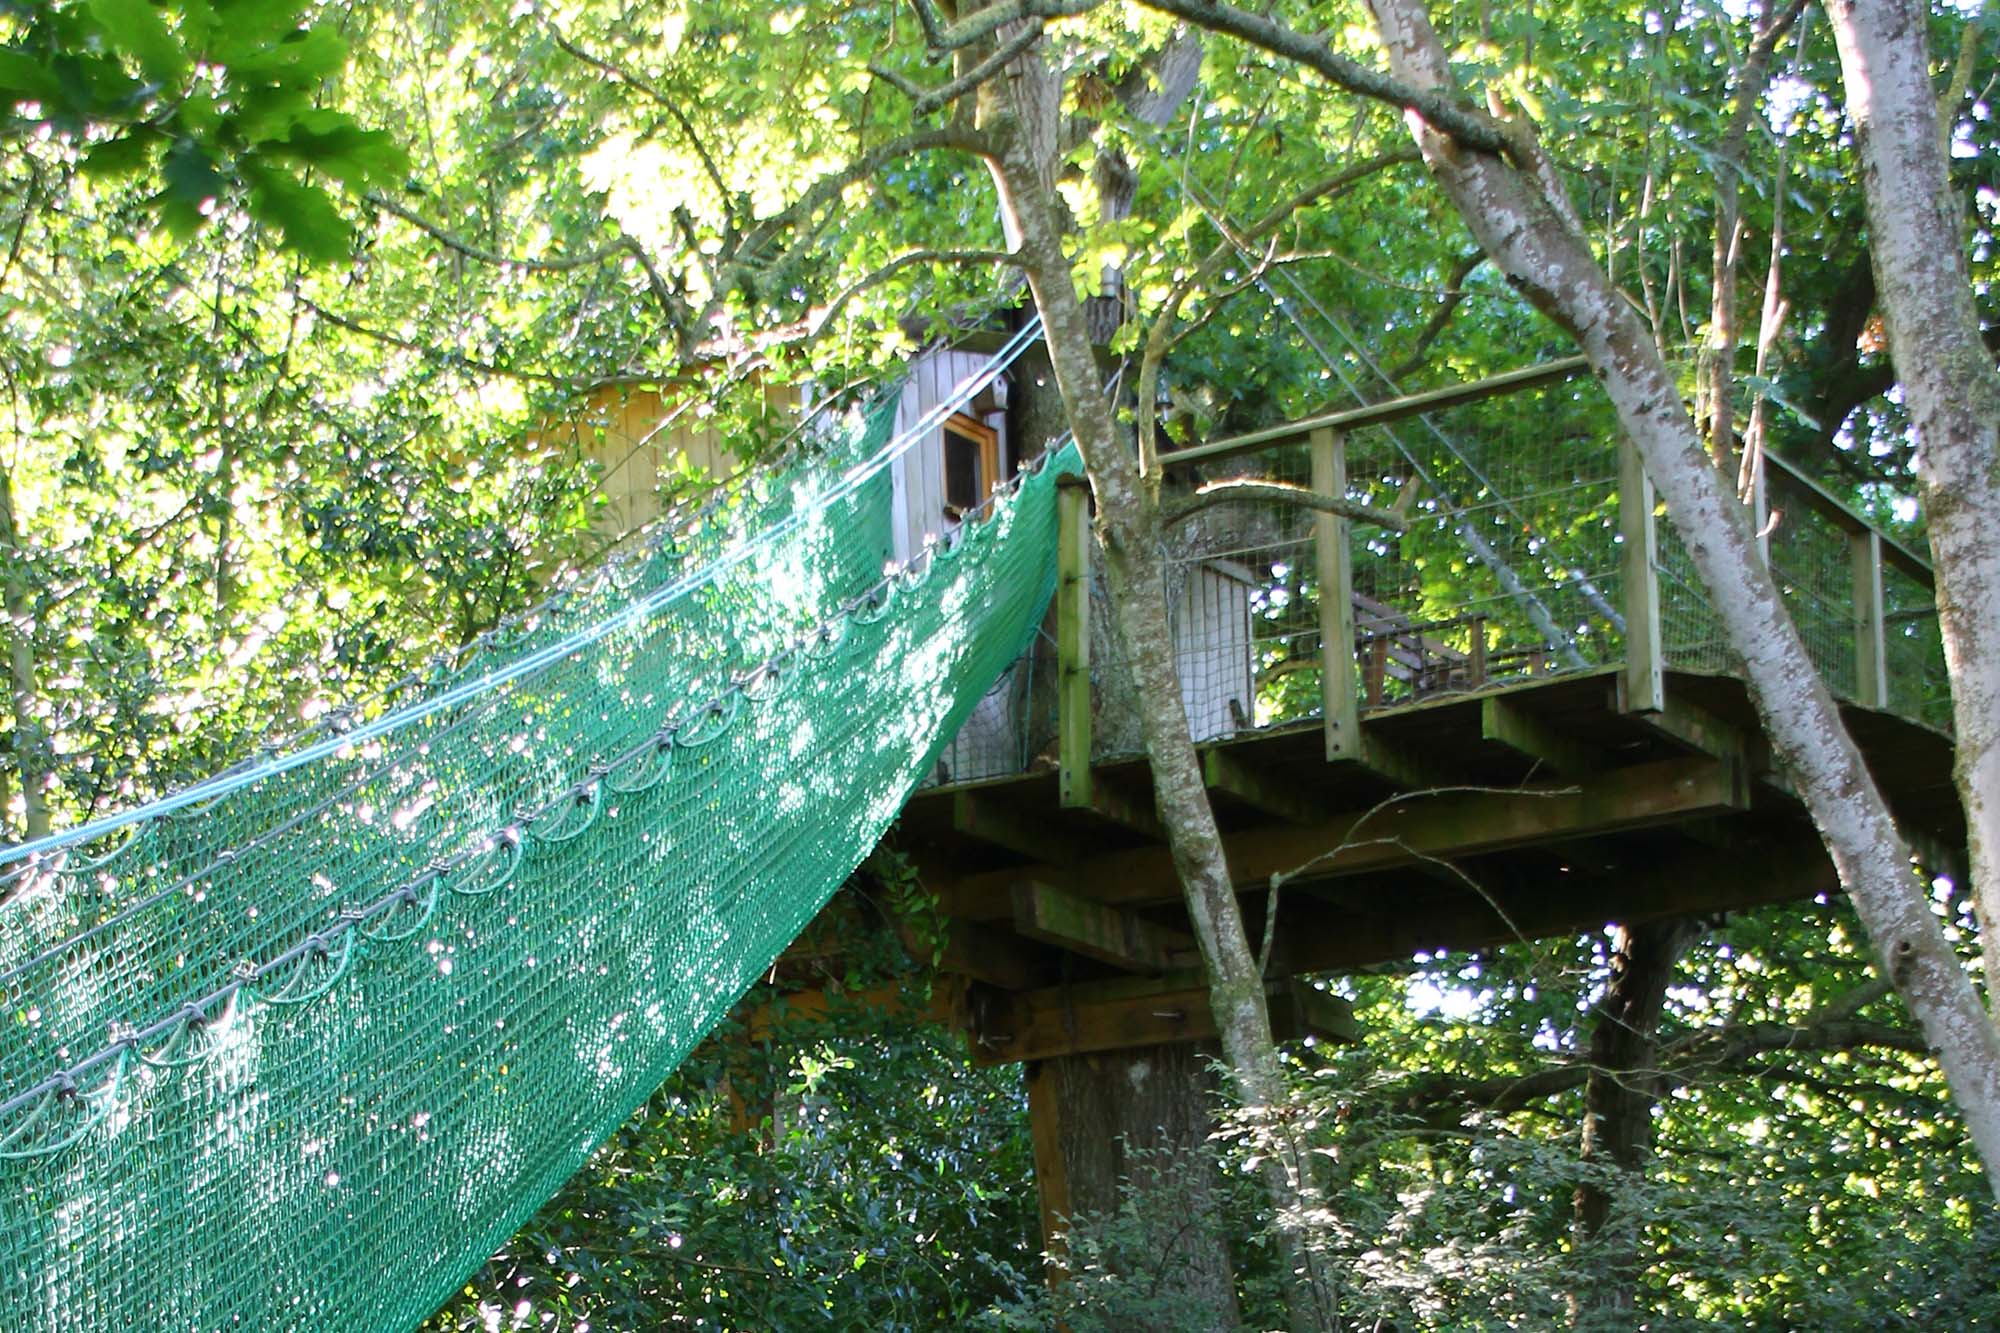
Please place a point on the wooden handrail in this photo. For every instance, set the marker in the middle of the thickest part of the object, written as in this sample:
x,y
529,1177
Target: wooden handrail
x,y
1377,414
1818,498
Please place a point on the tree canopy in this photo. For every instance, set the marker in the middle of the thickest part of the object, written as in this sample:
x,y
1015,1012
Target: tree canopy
x,y
308,314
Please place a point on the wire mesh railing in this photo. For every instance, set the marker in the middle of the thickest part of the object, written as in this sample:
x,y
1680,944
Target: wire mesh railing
x,y
1507,561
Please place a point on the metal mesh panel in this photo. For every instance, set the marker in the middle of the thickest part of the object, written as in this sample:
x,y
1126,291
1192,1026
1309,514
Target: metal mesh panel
x,y
1918,684
1810,559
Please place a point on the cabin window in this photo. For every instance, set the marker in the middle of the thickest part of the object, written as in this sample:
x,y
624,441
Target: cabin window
x,y
971,464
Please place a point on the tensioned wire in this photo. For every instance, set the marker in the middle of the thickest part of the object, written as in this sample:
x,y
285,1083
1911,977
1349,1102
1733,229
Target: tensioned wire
x,y
580,598
646,886
40,934
212,789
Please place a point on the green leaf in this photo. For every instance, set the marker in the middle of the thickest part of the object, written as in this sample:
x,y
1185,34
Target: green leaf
x,y
23,78
120,157
301,58
136,28
191,174
304,215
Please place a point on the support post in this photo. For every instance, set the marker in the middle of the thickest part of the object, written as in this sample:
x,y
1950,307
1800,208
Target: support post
x,y
1334,566
1871,642
1073,640
1645,675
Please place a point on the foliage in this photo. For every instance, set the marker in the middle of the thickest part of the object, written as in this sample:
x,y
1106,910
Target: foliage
x,y
212,100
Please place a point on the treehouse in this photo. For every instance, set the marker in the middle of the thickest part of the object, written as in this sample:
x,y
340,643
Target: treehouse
x,y
1504,710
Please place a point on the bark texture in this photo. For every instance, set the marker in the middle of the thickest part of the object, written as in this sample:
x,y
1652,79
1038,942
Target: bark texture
x,y
1129,536
29,745
1623,1086
1517,209
1951,387
1139,1119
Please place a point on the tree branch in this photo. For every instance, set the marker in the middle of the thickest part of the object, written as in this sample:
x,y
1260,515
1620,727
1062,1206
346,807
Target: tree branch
x,y
672,108
1232,492
825,317
1469,127
1454,297
926,100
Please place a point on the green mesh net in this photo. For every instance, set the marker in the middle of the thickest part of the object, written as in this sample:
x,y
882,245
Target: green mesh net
x,y
303,1055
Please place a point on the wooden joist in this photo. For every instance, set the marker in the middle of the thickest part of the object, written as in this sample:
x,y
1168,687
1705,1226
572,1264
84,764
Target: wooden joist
x,y
1446,825
1226,773
1121,1014
1506,722
1113,935
1322,938
988,819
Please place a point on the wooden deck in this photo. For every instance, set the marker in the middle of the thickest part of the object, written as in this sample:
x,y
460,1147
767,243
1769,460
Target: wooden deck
x,y
1469,821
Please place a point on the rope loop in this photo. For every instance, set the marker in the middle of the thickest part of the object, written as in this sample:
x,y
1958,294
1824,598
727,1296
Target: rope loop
x,y
489,868
641,769
561,823
191,1040
764,683
416,904
875,603
329,959
711,722
62,1116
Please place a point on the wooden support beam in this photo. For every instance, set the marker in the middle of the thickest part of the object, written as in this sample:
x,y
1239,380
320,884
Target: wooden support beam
x,y
1073,640
1321,938
982,816
1121,1014
1224,772
1504,721
1871,642
1340,704
1117,806
1697,730
997,957
1446,825
1645,669
1403,767
1113,935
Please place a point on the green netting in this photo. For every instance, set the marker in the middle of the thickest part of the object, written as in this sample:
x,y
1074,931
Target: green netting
x,y
304,1055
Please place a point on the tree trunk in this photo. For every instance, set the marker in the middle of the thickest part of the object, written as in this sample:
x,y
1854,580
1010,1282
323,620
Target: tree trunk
x,y
1138,1120
1618,1099
1128,532
1518,211
1951,387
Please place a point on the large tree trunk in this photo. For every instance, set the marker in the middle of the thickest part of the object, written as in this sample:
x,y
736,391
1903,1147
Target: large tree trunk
x,y
1618,1099
1128,532
1138,1120
1518,211
1951,387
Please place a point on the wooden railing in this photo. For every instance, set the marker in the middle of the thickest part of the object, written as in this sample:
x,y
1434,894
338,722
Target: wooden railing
x,y
1354,667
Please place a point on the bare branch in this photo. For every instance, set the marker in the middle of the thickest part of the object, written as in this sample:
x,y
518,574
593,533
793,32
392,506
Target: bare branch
x,y
1454,297
1468,126
445,356
670,105
986,22
926,100
825,316
622,246
1235,492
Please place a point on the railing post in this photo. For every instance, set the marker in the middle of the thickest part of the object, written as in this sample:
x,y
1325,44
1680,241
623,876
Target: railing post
x,y
1871,640
1073,640
1335,569
1645,677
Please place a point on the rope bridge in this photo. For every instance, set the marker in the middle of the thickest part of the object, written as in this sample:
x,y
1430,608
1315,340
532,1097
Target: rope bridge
x,y
301,1046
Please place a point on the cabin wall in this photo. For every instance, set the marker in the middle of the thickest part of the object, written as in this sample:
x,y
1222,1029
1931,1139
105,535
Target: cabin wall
x,y
918,476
